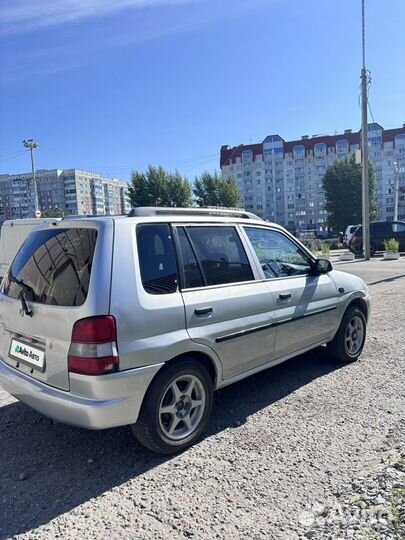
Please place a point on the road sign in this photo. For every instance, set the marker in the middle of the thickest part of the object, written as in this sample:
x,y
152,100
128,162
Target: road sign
x,y
38,213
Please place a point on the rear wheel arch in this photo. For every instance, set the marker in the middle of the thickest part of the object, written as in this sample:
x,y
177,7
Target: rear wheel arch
x,y
201,358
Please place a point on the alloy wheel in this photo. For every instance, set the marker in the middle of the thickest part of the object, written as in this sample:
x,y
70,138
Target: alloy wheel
x,y
182,407
354,336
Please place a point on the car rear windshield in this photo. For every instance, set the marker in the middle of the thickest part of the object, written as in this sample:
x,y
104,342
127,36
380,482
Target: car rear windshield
x,y
53,267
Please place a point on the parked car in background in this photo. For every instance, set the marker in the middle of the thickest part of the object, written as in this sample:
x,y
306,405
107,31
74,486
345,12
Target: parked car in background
x,y
13,232
350,229
136,320
379,231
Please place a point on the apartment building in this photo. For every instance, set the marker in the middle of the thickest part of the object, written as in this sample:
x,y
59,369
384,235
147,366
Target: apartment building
x,y
282,180
72,190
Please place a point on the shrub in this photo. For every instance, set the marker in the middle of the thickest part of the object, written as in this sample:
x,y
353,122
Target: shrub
x,y
334,244
312,244
325,248
391,245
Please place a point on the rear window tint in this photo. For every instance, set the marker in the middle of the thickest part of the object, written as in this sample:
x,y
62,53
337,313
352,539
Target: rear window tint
x,y
220,254
157,260
53,267
191,270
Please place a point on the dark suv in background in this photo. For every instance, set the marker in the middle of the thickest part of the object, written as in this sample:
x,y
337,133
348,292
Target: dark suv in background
x,y
379,232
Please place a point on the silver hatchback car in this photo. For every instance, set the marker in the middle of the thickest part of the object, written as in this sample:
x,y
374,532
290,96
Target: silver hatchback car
x,y
137,320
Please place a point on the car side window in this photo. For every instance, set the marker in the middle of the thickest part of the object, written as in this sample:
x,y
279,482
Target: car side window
x,y
381,228
398,227
191,270
214,255
277,254
157,259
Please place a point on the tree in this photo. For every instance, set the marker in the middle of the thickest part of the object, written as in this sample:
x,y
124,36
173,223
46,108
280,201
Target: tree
x,y
179,189
342,185
55,213
157,187
212,189
228,192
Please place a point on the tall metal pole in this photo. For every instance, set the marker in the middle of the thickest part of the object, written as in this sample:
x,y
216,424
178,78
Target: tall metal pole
x,y
396,190
31,145
364,146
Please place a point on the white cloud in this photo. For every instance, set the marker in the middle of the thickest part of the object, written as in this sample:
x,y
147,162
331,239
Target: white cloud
x,y
17,16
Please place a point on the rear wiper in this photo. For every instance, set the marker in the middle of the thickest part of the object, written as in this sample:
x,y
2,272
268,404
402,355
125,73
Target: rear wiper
x,y
27,310
24,287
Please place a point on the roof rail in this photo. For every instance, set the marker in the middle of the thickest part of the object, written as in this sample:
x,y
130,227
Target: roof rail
x,y
85,216
146,211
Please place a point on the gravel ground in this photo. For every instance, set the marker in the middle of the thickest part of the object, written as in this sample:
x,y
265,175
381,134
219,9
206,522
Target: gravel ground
x,y
285,448
375,510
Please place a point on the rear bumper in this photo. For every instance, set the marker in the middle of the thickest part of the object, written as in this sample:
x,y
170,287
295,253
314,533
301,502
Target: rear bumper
x,y
93,402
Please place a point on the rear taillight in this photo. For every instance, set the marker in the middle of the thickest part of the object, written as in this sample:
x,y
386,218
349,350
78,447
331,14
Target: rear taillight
x,y
93,349
356,239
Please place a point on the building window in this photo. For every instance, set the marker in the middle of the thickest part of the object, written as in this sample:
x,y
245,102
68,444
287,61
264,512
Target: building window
x,y
247,155
342,146
320,148
298,151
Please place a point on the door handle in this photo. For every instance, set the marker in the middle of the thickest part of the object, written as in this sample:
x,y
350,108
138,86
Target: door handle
x,y
204,311
284,296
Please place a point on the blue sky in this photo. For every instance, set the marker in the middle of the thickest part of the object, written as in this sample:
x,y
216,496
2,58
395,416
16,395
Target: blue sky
x,y
111,86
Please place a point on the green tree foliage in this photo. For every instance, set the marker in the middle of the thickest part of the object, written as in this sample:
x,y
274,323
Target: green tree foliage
x,y
55,213
211,189
228,192
157,187
342,187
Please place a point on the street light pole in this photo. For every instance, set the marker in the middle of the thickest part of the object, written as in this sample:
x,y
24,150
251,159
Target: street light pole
x,y
396,190
31,145
364,146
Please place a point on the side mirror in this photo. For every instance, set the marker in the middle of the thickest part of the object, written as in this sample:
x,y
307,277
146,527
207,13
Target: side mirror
x,y
322,266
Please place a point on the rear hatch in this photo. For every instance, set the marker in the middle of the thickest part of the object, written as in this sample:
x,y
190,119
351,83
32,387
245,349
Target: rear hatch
x,y
61,274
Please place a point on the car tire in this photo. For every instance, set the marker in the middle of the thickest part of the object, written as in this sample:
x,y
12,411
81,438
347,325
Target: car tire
x,y
372,250
349,340
176,408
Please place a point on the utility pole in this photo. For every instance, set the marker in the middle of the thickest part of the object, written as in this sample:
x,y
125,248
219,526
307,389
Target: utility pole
x,y
396,190
364,145
31,145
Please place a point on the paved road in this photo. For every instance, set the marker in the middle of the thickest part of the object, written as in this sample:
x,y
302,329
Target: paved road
x,y
376,270
279,444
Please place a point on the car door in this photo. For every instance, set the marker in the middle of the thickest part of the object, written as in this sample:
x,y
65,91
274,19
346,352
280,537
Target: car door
x,y
398,228
226,308
380,231
305,304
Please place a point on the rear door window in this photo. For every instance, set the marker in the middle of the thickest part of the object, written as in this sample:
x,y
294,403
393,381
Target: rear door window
x,y
213,256
157,259
192,272
53,267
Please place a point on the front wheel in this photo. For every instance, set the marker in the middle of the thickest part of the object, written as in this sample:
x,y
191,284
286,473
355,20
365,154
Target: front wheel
x,y
349,341
176,409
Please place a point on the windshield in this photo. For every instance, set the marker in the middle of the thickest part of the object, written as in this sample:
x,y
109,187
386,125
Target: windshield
x,y
53,267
